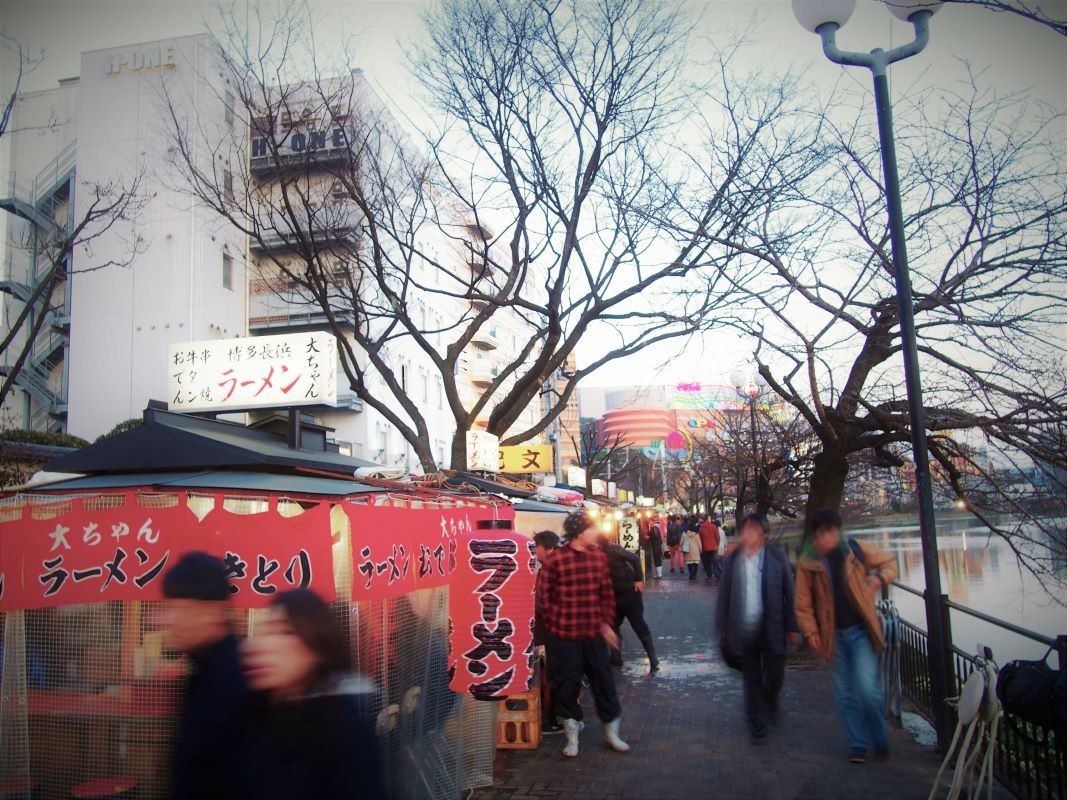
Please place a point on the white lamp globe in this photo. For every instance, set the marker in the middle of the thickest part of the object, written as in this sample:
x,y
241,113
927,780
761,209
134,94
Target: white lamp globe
x,y
903,9
813,13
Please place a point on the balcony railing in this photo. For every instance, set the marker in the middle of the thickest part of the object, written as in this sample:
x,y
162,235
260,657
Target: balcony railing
x,y
331,224
1030,761
290,309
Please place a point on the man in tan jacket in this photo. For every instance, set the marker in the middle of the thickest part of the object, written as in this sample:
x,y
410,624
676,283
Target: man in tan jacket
x,y
837,581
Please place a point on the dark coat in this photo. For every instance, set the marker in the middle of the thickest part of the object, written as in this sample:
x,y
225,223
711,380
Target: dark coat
x,y
779,616
655,539
320,748
213,716
674,534
625,568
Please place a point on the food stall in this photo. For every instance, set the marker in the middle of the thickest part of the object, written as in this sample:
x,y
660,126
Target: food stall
x,y
90,689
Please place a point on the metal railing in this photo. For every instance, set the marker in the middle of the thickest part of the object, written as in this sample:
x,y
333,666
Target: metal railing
x,y
1030,761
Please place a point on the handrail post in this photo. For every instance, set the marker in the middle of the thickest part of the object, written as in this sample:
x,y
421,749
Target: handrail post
x,y
944,714
1060,646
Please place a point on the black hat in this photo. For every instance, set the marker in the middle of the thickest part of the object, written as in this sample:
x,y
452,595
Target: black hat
x,y
575,523
197,576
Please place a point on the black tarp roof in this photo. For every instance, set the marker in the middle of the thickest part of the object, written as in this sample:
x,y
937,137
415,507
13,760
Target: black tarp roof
x,y
166,441
214,479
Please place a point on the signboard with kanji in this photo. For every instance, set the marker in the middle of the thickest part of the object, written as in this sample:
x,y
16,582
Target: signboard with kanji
x,y
629,536
526,458
297,369
122,552
482,455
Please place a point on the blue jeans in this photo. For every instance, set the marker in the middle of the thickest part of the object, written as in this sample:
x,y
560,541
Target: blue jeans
x,y
860,699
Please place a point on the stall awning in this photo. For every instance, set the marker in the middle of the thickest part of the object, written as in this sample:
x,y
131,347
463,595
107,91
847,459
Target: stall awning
x,y
236,480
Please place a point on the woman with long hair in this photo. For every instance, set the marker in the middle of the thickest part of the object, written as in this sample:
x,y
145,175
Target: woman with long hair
x,y
311,737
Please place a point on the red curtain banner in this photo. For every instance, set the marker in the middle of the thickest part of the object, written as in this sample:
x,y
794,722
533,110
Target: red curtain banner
x,y
491,606
266,554
122,553
89,556
397,550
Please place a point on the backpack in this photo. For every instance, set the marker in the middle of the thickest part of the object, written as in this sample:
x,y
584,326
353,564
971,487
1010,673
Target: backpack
x,y
1033,692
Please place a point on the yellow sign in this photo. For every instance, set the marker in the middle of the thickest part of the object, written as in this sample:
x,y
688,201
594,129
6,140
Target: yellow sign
x,y
526,458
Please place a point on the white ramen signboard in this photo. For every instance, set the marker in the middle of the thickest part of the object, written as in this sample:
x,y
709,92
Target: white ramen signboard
x,y
296,369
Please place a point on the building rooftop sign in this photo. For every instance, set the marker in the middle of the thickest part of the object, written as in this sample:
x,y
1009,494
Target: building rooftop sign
x,y
297,369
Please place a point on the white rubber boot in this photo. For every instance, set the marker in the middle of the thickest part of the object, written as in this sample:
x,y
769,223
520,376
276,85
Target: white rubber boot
x,y
570,730
659,572
611,737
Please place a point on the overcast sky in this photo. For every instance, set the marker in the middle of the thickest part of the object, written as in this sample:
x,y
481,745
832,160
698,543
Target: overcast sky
x,y
1012,54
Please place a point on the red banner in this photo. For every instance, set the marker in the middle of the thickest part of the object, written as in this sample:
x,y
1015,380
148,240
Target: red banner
x,y
89,556
491,605
398,550
267,553
122,553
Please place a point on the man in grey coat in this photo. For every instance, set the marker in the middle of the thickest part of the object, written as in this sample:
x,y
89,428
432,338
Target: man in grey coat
x,y
754,616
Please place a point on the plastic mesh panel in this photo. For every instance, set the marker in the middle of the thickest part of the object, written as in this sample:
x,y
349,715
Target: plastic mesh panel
x,y
90,691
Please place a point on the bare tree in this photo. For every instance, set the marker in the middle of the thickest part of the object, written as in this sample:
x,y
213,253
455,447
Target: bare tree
x,y
57,230
770,476
607,459
1044,14
536,200
983,187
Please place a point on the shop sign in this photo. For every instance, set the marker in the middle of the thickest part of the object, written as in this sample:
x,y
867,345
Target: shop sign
x,y
296,369
121,553
482,451
629,536
491,606
526,458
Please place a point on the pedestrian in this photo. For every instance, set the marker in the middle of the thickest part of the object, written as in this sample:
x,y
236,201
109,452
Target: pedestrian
x,y
709,546
674,543
655,545
755,617
627,580
721,554
576,600
691,551
216,702
838,580
544,543
311,737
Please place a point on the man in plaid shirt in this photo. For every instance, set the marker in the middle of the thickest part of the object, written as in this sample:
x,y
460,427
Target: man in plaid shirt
x,y
576,601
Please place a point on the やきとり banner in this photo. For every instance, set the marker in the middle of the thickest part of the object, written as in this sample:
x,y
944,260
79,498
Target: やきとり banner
x,y
122,553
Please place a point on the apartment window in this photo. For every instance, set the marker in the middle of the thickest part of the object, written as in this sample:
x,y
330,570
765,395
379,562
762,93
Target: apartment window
x,y
227,186
229,100
440,393
425,388
227,271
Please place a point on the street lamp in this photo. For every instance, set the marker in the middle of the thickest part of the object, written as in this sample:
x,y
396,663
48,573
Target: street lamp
x,y
824,17
750,387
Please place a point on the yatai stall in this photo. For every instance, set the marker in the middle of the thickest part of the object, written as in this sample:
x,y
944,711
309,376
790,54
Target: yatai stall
x,y
90,688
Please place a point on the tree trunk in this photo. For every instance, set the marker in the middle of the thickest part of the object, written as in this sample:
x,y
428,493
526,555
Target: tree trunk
x,y
827,483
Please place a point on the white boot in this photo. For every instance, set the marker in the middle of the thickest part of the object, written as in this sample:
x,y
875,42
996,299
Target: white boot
x,y
570,730
611,737
659,572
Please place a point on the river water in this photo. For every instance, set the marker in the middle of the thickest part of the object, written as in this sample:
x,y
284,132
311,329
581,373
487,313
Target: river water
x,y
980,571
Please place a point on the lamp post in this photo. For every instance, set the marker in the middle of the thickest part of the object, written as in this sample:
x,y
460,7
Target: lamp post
x,y
824,17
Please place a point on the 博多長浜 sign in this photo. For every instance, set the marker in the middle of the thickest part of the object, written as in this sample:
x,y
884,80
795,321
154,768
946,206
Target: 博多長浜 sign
x,y
297,369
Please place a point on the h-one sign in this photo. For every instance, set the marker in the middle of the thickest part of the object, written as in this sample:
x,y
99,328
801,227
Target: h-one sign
x,y
298,369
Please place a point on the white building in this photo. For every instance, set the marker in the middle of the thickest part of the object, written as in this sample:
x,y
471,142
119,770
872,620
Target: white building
x,y
103,353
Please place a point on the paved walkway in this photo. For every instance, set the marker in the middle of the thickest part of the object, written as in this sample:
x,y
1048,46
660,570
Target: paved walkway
x,y
688,735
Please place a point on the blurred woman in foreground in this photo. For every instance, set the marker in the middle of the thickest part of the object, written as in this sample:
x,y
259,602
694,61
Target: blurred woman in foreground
x,y
311,737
